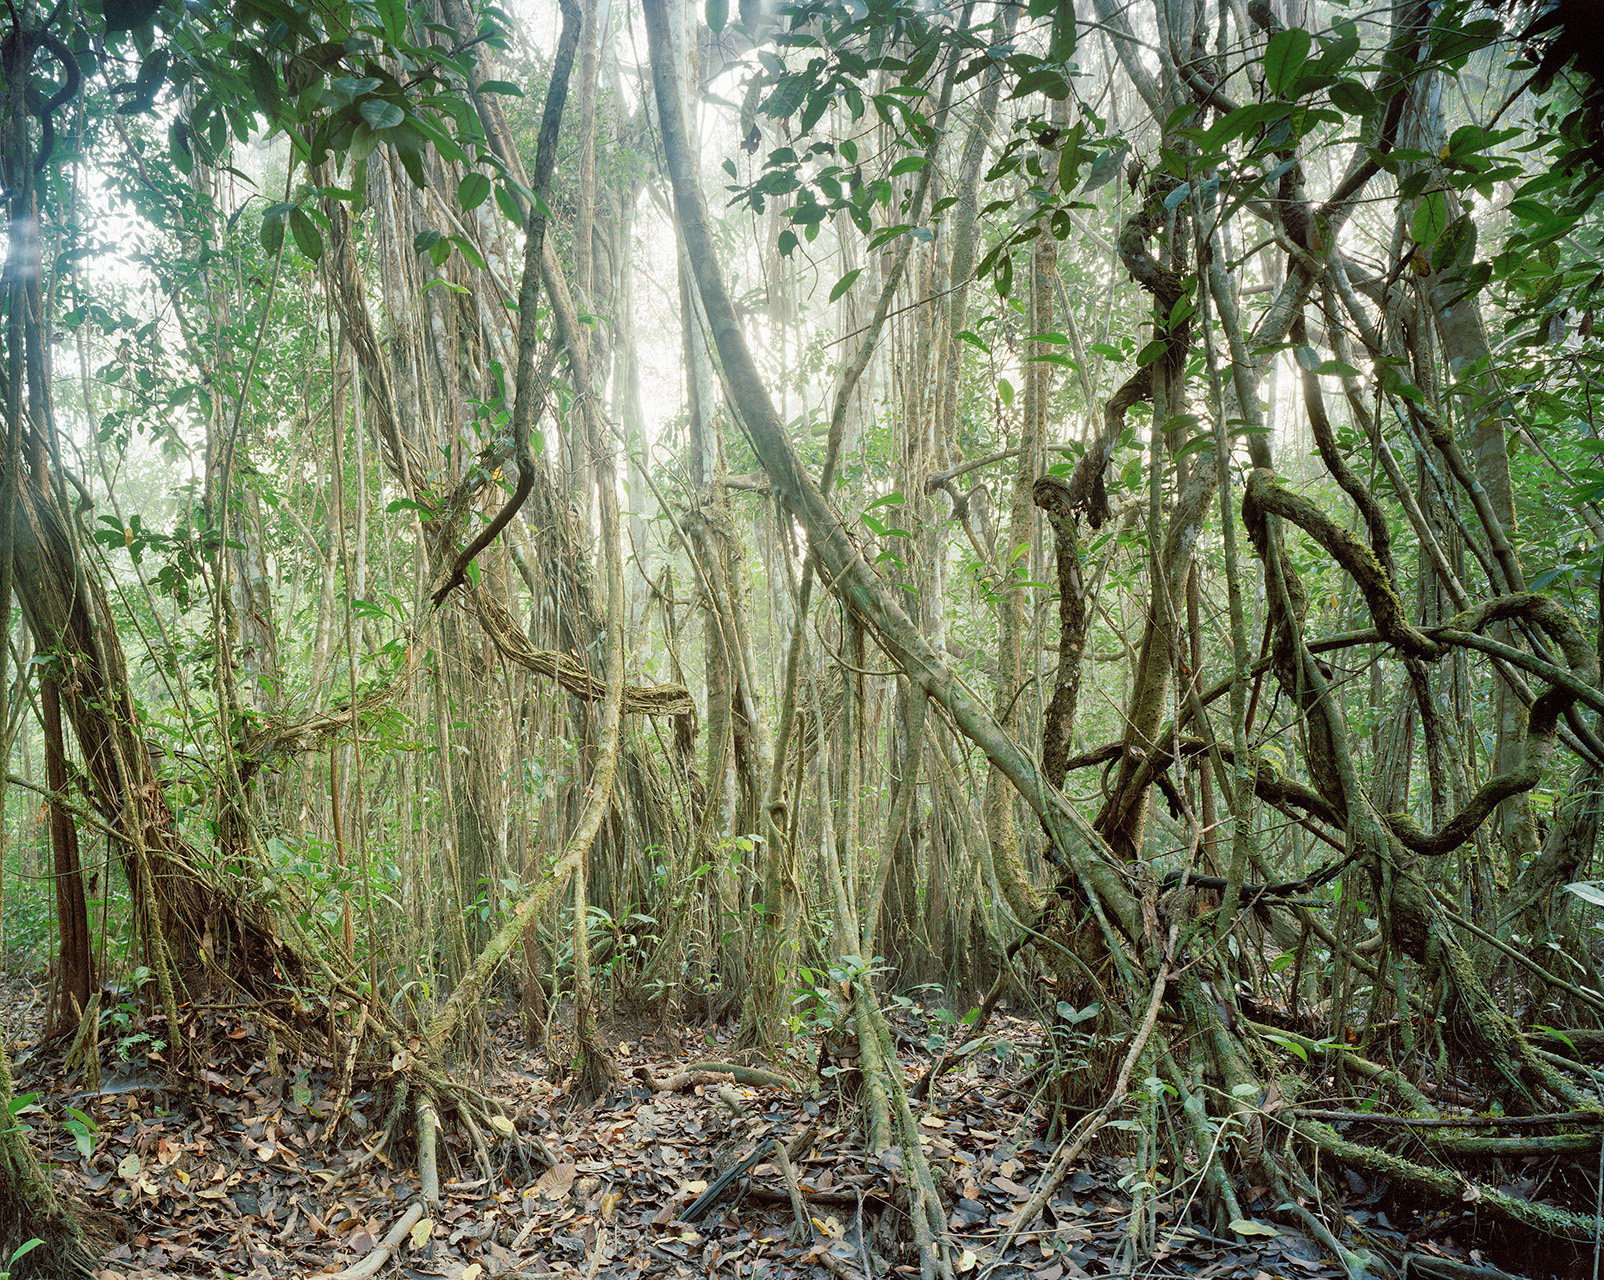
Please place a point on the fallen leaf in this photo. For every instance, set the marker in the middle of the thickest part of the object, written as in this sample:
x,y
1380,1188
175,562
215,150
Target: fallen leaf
x,y
555,1183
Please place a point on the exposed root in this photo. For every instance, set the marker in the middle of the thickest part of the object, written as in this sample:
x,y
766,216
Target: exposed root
x,y
1450,1185
703,1073
374,1261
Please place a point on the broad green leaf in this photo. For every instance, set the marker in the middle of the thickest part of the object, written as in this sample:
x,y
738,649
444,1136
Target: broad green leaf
x,y
1046,80
718,15
1588,891
393,13
1431,219
473,191
353,87
1243,120
1104,168
1351,97
1004,276
1284,57
469,250
1248,1227
381,115
129,15
178,148
1337,49
307,237
1456,247
845,283
507,202
272,230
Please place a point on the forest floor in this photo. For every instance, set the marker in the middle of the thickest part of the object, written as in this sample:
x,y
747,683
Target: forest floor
x,y
233,1178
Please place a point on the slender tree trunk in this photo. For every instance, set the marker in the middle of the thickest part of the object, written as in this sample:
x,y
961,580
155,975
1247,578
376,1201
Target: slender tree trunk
x,y
76,973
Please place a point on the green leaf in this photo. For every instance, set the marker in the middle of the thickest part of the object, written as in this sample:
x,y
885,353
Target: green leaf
x,y
408,152
1453,45
845,283
425,240
718,15
272,230
1588,891
1351,97
1456,247
353,87
1048,81
908,164
469,250
178,147
1005,391
473,191
264,84
381,114
307,237
129,15
1284,57
1243,120
1337,50
1104,168
393,13
28,1246
1151,352
1248,1227
507,202
1431,219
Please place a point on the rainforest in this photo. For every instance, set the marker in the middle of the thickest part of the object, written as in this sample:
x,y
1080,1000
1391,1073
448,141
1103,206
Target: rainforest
x,y
816,638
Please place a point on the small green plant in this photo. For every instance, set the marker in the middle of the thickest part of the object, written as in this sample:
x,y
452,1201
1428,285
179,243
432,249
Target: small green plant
x,y
23,1104
122,1020
83,1128
18,1254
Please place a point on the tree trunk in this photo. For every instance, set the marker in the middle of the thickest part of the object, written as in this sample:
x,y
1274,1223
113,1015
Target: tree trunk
x,y
76,972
